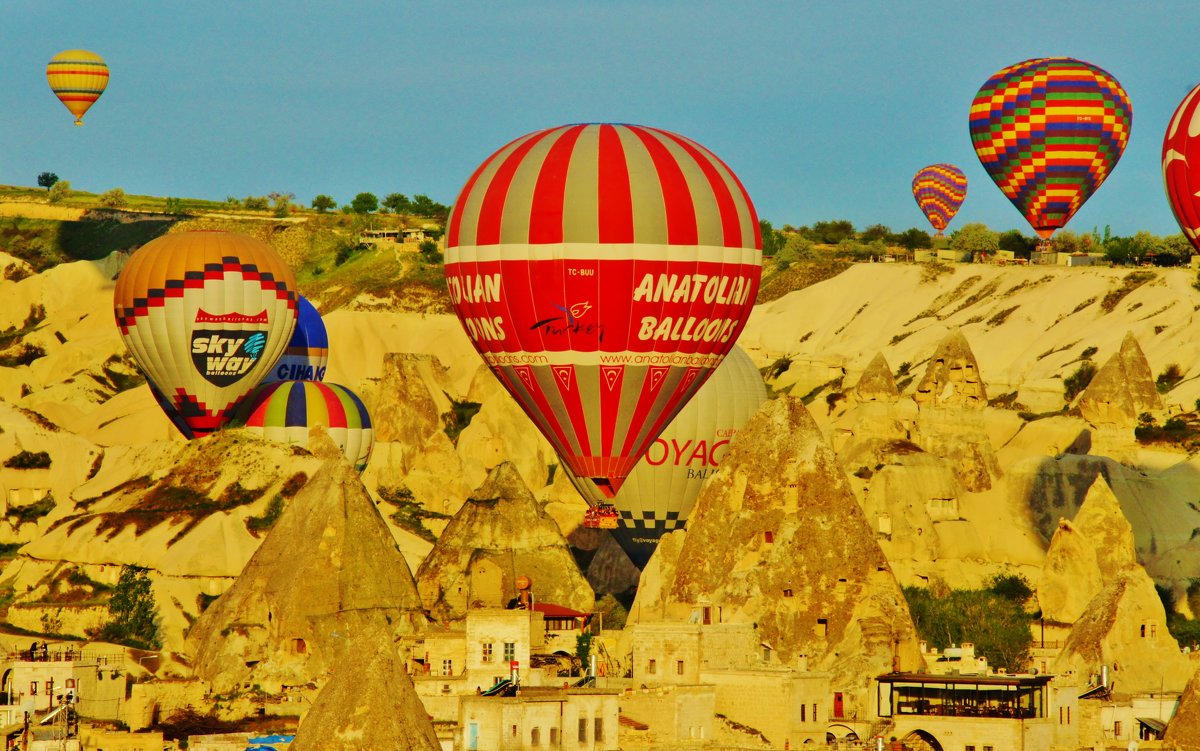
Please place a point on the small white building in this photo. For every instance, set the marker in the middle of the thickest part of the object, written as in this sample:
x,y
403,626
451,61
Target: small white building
x,y
537,718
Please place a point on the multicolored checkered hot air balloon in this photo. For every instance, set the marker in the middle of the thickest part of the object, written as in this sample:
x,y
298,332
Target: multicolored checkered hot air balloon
x,y
206,315
603,272
77,78
940,190
1049,131
284,411
1181,165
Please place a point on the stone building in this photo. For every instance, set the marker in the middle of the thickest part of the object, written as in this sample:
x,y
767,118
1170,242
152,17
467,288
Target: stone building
x,y
570,720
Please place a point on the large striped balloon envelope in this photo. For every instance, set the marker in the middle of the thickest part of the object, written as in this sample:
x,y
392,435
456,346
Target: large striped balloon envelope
x,y
1049,131
603,272
939,190
284,411
77,78
1181,165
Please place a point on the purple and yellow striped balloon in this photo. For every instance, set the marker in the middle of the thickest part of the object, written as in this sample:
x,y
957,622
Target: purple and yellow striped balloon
x,y
285,410
939,189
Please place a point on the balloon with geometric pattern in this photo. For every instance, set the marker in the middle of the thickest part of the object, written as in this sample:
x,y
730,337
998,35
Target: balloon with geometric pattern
x,y
603,271
285,410
939,190
206,315
1049,131
77,78
1181,165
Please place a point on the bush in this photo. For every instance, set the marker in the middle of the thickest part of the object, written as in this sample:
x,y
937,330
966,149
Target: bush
x,y
113,199
29,460
1169,378
59,192
256,524
1075,383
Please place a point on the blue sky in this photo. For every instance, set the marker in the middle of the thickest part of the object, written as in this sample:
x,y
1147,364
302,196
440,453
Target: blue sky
x,y
825,110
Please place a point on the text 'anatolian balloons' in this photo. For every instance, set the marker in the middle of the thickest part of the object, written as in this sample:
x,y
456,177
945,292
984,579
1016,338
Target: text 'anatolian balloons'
x,y
1181,165
284,411
939,190
77,78
206,315
603,271
1049,131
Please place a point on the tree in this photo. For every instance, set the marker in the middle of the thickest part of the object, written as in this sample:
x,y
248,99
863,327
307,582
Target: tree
x,y
913,238
1019,244
1176,250
60,191
323,203
1066,241
1144,243
975,238
397,203
113,199
1118,250
423,205
832,233
875,232
364,203
995,621
796,248
772,241
282,202
133,611
47,179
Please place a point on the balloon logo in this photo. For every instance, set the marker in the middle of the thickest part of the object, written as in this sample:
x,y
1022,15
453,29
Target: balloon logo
x,y
284,411
939,190
1181,165
659,494
206,315
603,272
1049,131
77,78
307,353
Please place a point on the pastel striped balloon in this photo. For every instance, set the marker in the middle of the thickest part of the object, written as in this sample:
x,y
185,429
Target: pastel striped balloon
x,y
1181,165
1049,131
77,78
284,411
603,271
939,190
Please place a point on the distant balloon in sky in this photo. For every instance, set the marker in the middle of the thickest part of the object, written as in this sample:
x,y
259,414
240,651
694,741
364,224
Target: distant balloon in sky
x,y
1049,131
659,494
307,352
940,190
603,271
206,315
1181,165
285,410
77,78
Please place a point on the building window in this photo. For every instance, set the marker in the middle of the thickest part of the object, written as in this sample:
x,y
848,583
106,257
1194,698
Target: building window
x,y
679,667
988,748
599,729
707,615
583,730
969,747
535,737
487,651
822,627
510,651
1143,631
652,667
814,712
299,647
447,667
1117,729
803,713
70,683
33,688
768,536
1153,630
787,592
1068,715
514,731
553,736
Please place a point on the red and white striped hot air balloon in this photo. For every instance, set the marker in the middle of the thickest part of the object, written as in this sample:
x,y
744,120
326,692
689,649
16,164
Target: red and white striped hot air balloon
x,y
1181,165
603,272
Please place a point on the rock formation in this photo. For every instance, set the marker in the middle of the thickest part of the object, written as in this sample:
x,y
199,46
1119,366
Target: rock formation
x,y
329,553
502,432
500,533
1183,732
369,702
876,383
952,377
1122,389
610,569
777,538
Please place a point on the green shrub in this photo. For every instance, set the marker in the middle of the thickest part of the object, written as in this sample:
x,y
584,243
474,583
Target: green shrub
x,y
1169,378
29,460
1075,383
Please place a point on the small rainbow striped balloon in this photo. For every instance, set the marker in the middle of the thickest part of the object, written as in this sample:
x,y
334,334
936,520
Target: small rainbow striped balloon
x,y
284,411
77,78
1049,131
939,189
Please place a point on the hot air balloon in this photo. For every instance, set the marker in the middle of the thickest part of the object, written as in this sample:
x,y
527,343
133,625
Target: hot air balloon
x,y
603,271
285,410
1181,165
206,315
1049,131
939,189
660,492
307,353
77,78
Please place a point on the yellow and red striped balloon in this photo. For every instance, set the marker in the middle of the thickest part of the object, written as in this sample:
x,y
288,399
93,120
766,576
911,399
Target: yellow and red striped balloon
x,y
77,78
